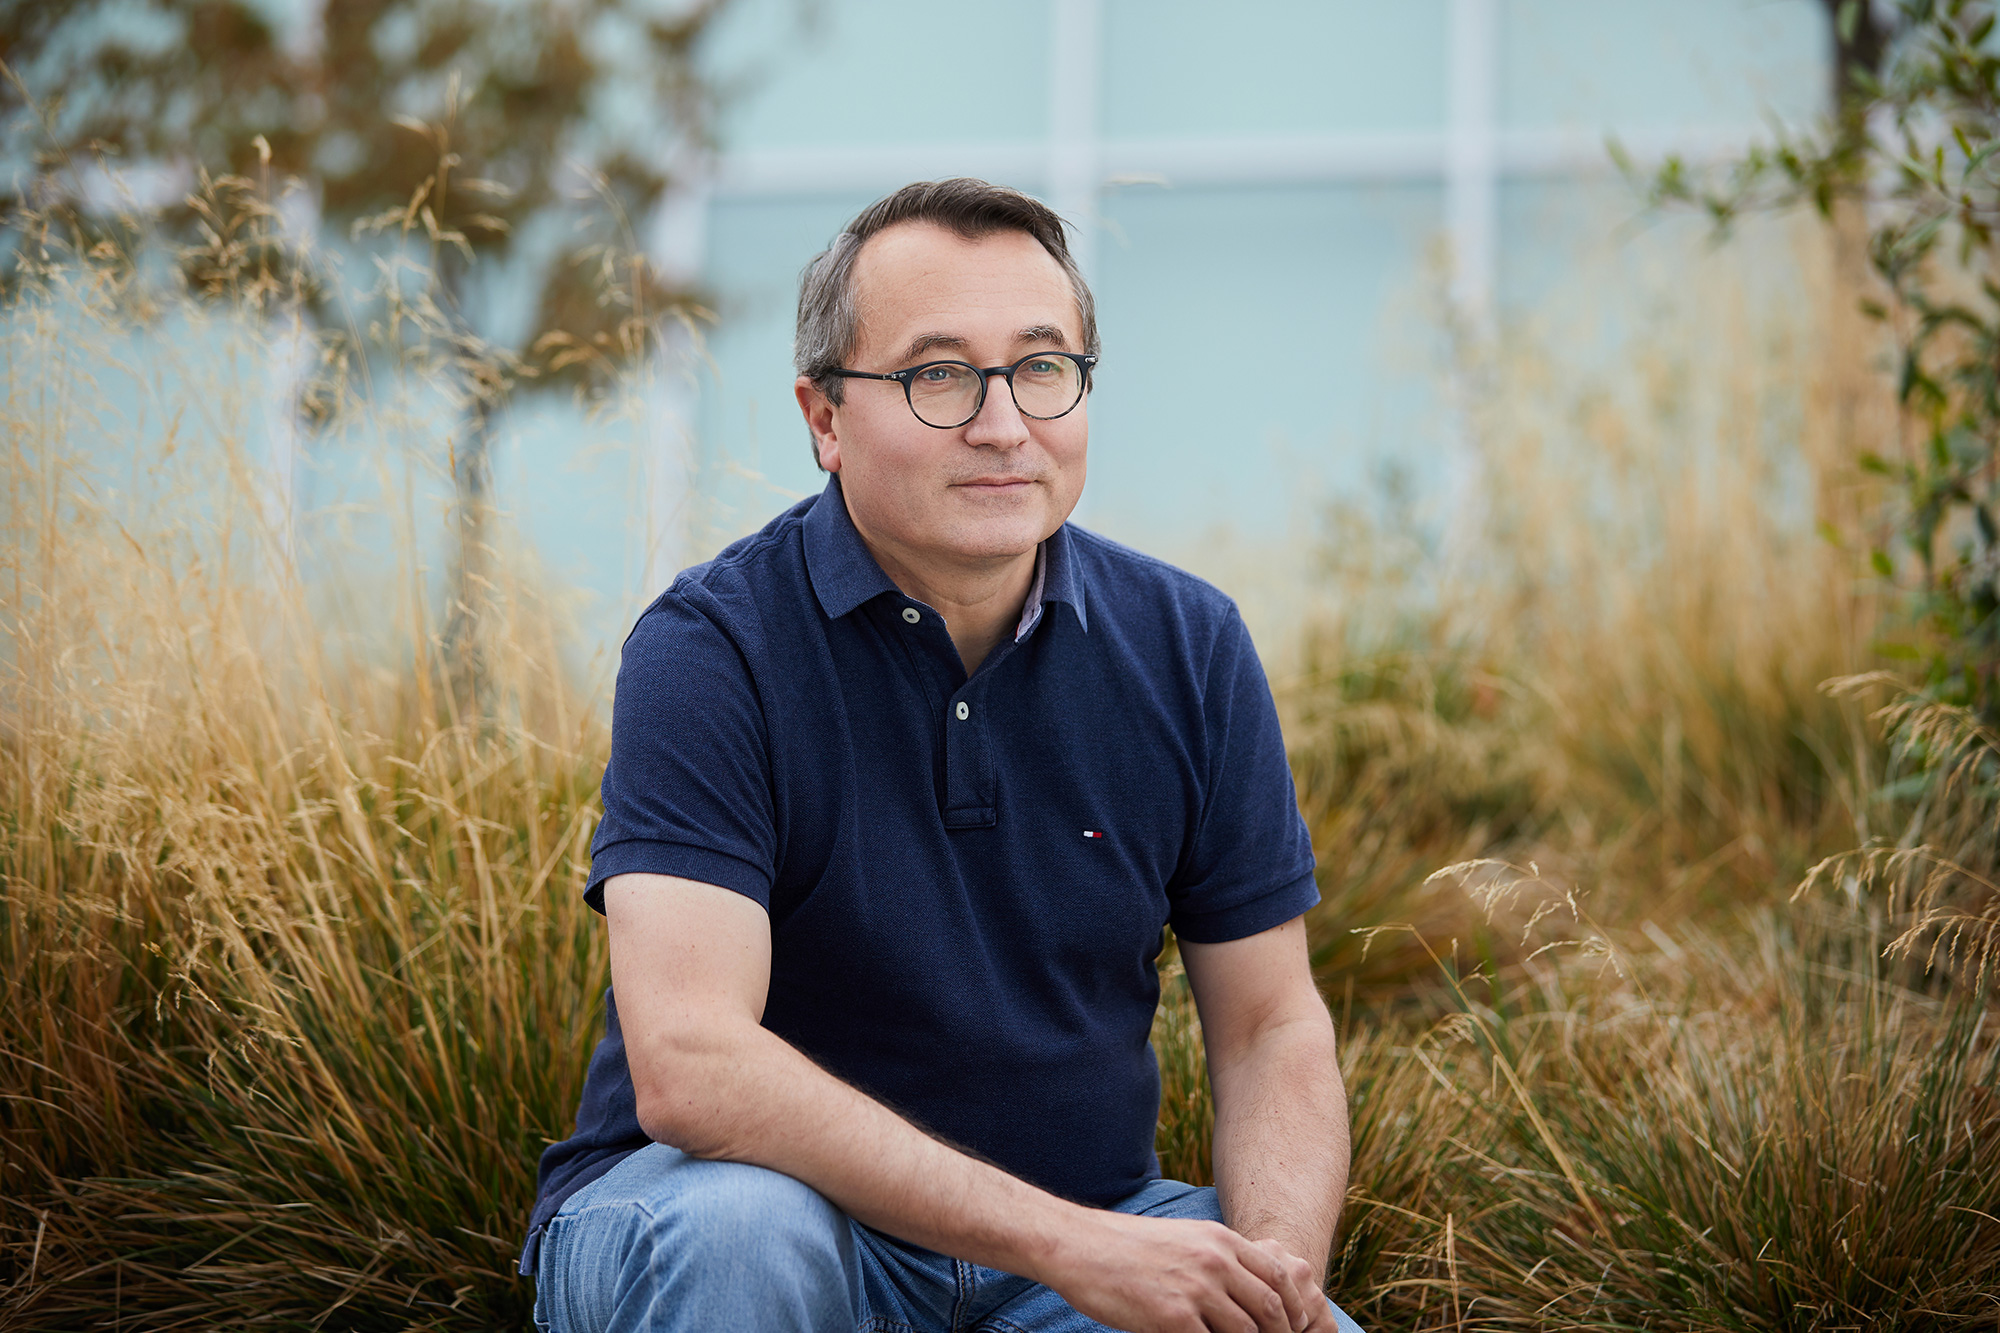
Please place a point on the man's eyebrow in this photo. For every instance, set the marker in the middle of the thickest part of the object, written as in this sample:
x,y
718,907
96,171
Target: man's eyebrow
x,y
930,342
925,342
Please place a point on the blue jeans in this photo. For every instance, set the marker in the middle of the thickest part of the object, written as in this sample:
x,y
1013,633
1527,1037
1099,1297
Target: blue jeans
x,y
664,1241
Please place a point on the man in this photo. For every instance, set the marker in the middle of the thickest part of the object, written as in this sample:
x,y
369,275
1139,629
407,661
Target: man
x,y
903,790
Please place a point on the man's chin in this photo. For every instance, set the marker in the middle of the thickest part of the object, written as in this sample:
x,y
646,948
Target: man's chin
x,y
999,541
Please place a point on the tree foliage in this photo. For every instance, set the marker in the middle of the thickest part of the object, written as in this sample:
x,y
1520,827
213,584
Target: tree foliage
x,y
466,121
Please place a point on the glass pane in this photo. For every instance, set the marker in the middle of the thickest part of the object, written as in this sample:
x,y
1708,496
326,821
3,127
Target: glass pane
x,y
944,394
1047,386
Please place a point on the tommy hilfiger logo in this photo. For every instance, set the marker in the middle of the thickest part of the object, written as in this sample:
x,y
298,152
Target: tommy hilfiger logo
x,y
1092,833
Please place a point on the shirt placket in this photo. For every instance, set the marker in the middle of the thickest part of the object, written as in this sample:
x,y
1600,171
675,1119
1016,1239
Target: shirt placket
x,y
968,767
967,786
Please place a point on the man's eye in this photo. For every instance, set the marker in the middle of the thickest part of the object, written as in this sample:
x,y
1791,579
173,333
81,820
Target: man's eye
x,y
1042,368
937,374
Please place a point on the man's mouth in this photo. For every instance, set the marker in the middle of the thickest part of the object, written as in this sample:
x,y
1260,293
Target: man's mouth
x,y
995,483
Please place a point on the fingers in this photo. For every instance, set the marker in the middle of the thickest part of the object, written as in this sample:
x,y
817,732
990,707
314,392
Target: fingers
x,y
1313,1305
1256,1297
1323,1320
1244,1283
1281,1272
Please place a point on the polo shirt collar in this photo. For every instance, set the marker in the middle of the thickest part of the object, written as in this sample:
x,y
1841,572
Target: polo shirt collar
x,y
1061,581
844,574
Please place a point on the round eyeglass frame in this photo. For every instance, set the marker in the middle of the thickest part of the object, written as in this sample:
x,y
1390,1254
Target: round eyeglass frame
x,y
1085,361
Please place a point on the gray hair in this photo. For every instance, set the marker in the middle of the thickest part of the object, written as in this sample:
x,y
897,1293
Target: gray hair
x,y
828,323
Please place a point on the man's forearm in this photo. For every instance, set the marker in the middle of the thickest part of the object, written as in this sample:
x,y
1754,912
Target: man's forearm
x,y
751,1097
1281,1146
784,1113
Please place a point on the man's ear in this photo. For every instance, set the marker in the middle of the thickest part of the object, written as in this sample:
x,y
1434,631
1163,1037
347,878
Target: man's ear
x,y
818,412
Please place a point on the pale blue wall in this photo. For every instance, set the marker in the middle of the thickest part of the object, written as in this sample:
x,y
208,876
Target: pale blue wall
x,y
752,449
1628,65
881,71
1296,285
1329,293
1325,294
1193,67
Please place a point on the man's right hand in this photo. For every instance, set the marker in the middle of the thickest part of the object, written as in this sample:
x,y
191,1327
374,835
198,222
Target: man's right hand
x,y
1170,1275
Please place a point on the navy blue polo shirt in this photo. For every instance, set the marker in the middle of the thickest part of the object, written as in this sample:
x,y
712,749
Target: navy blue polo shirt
x,y
967,878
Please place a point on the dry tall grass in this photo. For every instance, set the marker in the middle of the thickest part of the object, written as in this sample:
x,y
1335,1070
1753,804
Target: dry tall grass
x,y
294,973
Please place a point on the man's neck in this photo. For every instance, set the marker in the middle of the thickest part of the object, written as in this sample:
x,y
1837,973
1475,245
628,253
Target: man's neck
x,y
981,602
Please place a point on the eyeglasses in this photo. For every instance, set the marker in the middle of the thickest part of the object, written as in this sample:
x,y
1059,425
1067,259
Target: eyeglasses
x,y
947,394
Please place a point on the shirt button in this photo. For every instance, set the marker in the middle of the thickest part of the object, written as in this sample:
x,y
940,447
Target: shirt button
x,y
964,710
911,614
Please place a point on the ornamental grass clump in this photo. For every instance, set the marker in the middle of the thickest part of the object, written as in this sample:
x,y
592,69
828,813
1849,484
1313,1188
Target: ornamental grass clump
x,y
1612,667
1761,1132
295,976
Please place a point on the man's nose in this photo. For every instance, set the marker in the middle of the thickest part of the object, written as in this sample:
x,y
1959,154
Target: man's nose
x,y
999,421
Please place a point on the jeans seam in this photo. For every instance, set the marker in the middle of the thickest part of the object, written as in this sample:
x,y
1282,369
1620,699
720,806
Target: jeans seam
x,y
542,1314
962,1288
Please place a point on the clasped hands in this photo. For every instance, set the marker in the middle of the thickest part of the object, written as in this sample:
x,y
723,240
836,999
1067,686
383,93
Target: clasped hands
x,y
1168,1275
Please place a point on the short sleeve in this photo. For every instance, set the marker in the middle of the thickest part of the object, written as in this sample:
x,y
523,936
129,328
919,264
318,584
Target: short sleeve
x,y
687,789
1251,864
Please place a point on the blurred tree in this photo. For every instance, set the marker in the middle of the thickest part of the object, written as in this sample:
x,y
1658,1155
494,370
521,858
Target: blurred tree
x,y
462,125
1862,32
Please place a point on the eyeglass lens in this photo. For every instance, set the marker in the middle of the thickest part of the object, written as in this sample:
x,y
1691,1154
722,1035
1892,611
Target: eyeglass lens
x,y
947,394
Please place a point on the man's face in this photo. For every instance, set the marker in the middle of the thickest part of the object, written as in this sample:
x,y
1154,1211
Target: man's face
x,y
999,484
